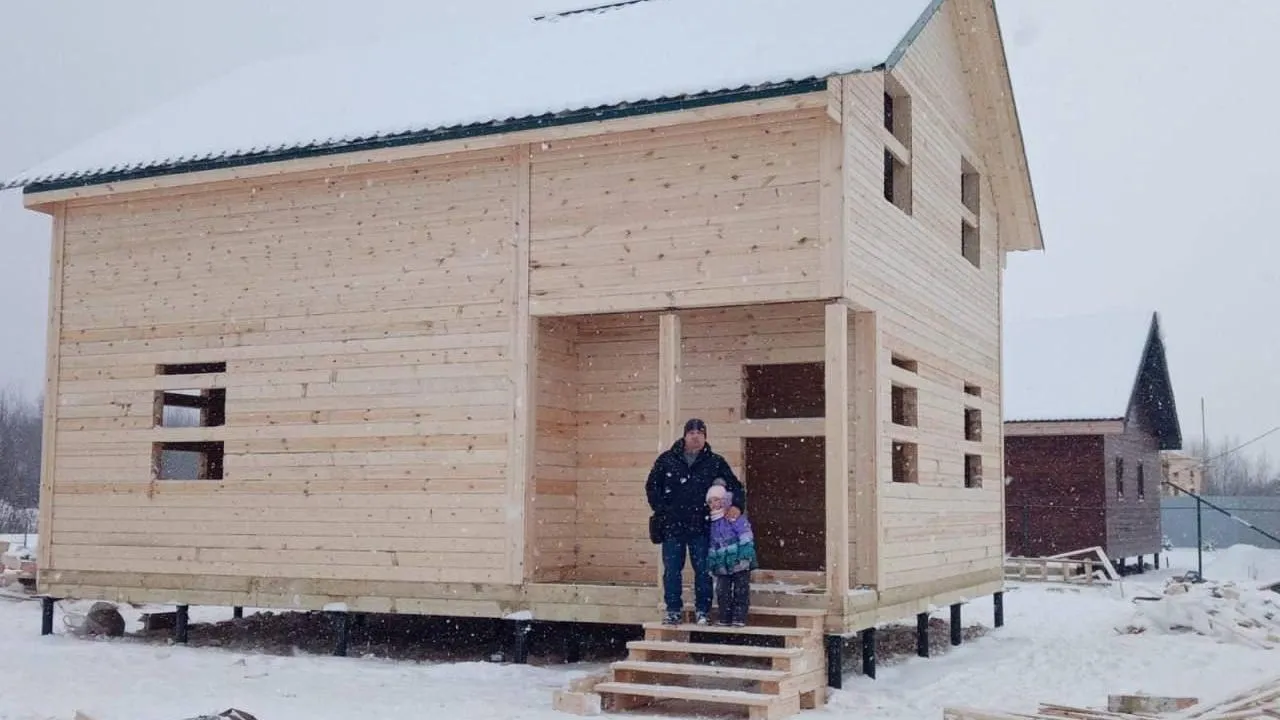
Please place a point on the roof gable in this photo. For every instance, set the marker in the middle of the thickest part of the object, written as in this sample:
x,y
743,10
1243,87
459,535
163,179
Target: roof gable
x,y
1153,394
1005,154
491,73
1080,367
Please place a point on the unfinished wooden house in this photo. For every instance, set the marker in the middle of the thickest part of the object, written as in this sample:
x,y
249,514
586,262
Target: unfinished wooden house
x,y
1088,407
418,356
1183,472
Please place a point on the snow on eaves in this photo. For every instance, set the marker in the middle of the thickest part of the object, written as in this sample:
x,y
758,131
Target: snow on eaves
x,y
496,69
1078,367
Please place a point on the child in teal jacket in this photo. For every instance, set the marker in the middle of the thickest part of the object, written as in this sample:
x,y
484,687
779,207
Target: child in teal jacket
x,y
731,558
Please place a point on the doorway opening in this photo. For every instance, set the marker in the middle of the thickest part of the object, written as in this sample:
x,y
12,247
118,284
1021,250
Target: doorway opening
x,y
786,475
787,501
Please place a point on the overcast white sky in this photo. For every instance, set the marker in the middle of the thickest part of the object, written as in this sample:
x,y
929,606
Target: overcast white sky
x,y
1150,129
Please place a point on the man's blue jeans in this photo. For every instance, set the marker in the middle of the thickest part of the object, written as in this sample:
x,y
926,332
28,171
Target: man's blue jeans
x,y
674,550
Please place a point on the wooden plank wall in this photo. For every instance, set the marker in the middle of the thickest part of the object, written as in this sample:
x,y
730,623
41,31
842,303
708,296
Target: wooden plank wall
x,y
555,500
934,308
719,342
708,213
365,317
365,322
1133,520
617,414
1056,497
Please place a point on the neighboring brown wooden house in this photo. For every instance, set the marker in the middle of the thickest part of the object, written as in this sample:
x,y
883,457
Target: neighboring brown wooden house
x,y
1089,406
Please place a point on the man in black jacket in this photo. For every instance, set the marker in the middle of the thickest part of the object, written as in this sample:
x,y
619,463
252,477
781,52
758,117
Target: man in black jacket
x,y
677,490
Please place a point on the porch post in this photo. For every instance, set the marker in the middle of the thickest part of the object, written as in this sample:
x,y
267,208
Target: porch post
x,y
837,449
870,405
669,335
668,380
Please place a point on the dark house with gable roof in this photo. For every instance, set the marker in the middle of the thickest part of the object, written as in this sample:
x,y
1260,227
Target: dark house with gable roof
x,y
1089,406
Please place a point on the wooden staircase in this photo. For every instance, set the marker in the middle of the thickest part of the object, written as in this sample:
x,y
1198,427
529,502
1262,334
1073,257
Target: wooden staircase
x,y
772,668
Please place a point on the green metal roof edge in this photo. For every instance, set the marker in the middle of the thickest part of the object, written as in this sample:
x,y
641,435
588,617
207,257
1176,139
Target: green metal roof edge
x,y
420,137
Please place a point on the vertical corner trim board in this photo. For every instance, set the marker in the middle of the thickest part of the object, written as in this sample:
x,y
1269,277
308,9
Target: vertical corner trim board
x,y
53,353
523,373
831,193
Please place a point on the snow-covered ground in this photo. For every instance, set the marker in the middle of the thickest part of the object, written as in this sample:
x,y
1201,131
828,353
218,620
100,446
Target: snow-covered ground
x,y
16,541
1071,645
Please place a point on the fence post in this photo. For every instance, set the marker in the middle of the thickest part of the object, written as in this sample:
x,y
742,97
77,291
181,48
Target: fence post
x,y
1199,542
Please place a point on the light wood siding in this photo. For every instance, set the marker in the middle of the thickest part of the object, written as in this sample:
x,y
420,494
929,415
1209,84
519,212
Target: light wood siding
x,y
718,344
934,307
554,513
617,419
366,325
708,213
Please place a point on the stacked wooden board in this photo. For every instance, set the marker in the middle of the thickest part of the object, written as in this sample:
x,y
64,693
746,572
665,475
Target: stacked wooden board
x,y
777,663
1259,701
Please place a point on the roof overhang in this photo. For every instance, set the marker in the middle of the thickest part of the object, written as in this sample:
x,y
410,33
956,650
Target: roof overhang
x,y
1040,428
779,97
581,66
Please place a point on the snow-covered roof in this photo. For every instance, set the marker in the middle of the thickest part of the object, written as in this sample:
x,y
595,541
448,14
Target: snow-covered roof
x,y
496,71
1079,367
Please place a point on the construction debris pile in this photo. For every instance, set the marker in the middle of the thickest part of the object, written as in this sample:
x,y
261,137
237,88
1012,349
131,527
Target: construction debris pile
x,y
1256,703
103,619
17,568
1225,611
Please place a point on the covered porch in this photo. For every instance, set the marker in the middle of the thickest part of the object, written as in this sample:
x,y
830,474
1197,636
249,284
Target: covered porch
x,y
791,395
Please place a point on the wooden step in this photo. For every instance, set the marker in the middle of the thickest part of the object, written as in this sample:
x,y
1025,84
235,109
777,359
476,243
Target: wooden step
x,y
759,707
714,649
786,611
680,692
711,671
748,630
778,611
